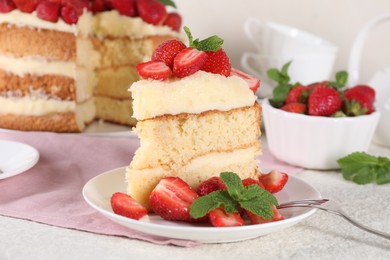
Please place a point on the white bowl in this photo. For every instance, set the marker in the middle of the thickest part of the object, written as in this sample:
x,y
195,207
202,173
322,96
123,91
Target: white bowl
x,y
316,142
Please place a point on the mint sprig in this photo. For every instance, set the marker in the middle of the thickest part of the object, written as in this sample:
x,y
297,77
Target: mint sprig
x,y
341,80
283,86
212,43
363,168
252,198
168,3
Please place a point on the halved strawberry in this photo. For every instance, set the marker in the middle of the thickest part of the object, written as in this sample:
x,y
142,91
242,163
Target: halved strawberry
x,y
151,11
219,218
298,94
69,14
173,21
124,205
157,70
274,181
295,107
49,11
78,5
249,181
210,185
167,51
253,83
172,198
97,6
125,7
27,6
256,219
188,61
6,6
217,62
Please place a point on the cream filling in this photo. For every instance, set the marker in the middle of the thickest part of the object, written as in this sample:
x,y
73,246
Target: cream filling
x,y
197,93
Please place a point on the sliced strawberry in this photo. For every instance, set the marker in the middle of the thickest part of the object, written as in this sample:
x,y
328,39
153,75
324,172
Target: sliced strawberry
x,y
274,181
69,14
125,7
256,219
172,198
219,218
157,70
359,100
210,185
188,61
217,62
97,6
173,21
296,107
324,101
49,11
249,181
78,5
27,6
124,205
152,11
167,51
298,94
253,83
6,6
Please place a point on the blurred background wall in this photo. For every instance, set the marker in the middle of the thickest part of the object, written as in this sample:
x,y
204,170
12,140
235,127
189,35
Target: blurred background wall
x,y
339,21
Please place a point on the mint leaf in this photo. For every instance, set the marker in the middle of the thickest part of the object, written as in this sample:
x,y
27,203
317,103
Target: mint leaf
x,y
168,3
363,168
284,71
213,43
203,205
341,78
233,184
189,35
257,207
280,93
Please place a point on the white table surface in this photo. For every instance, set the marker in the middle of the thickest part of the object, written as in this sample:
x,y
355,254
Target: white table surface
x,y
321,236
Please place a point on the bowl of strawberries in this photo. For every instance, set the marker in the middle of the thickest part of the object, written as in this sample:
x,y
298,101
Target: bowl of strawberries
x,y
312,126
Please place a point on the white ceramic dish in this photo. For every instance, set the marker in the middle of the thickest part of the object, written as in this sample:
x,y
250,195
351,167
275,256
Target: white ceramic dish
x,y
316,142
97,193
16,158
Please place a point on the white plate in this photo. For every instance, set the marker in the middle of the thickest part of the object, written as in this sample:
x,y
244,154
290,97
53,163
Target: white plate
x,y
97,193
16,158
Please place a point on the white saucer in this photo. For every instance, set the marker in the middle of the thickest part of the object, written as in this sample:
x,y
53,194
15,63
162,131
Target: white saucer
x,y
97,192
16,158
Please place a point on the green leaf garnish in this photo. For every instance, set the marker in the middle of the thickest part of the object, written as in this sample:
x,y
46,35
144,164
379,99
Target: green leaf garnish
x,y
283,86
363,168
212,43
252,198
341,80
168,3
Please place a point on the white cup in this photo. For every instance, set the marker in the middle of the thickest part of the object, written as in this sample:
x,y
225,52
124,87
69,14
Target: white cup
x,y
303,69
278,40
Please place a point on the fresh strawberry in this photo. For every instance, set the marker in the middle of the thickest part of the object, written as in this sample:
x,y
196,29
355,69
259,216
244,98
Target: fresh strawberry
x,y
188,61
108,4
359,100
296,107
318,84
210,185
173,21
27,6
219,218
274,181
124,205
324,101
217,62
69,14
157,70
249,181
125,7
253,83
49,11
297,94
172,198
152,11
78,5
167,51
97,6
256,219
6,6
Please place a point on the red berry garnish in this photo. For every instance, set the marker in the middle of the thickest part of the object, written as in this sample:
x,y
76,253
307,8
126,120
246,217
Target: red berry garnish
x,y
157,70
253,83
78,5
210,185
97,6
124,205
173,21
296,107
49,11
125,7
27,6
359,100
6,6
324,101
69,14
152,11
167,51
217,62
188,61
298,93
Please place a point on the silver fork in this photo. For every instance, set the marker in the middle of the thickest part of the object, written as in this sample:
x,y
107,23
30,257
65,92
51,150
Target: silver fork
x,y
331,207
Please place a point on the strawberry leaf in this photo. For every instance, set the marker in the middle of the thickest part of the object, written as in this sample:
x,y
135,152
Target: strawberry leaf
x,y
168,3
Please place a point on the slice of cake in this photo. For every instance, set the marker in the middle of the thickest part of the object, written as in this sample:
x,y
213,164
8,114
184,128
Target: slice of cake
x,y
65,63
197,117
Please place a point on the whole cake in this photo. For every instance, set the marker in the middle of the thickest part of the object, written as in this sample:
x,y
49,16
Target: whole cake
x,y
197,117
65,63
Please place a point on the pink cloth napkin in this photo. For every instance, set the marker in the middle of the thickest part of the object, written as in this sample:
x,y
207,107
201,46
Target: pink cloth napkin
x,y
51,191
